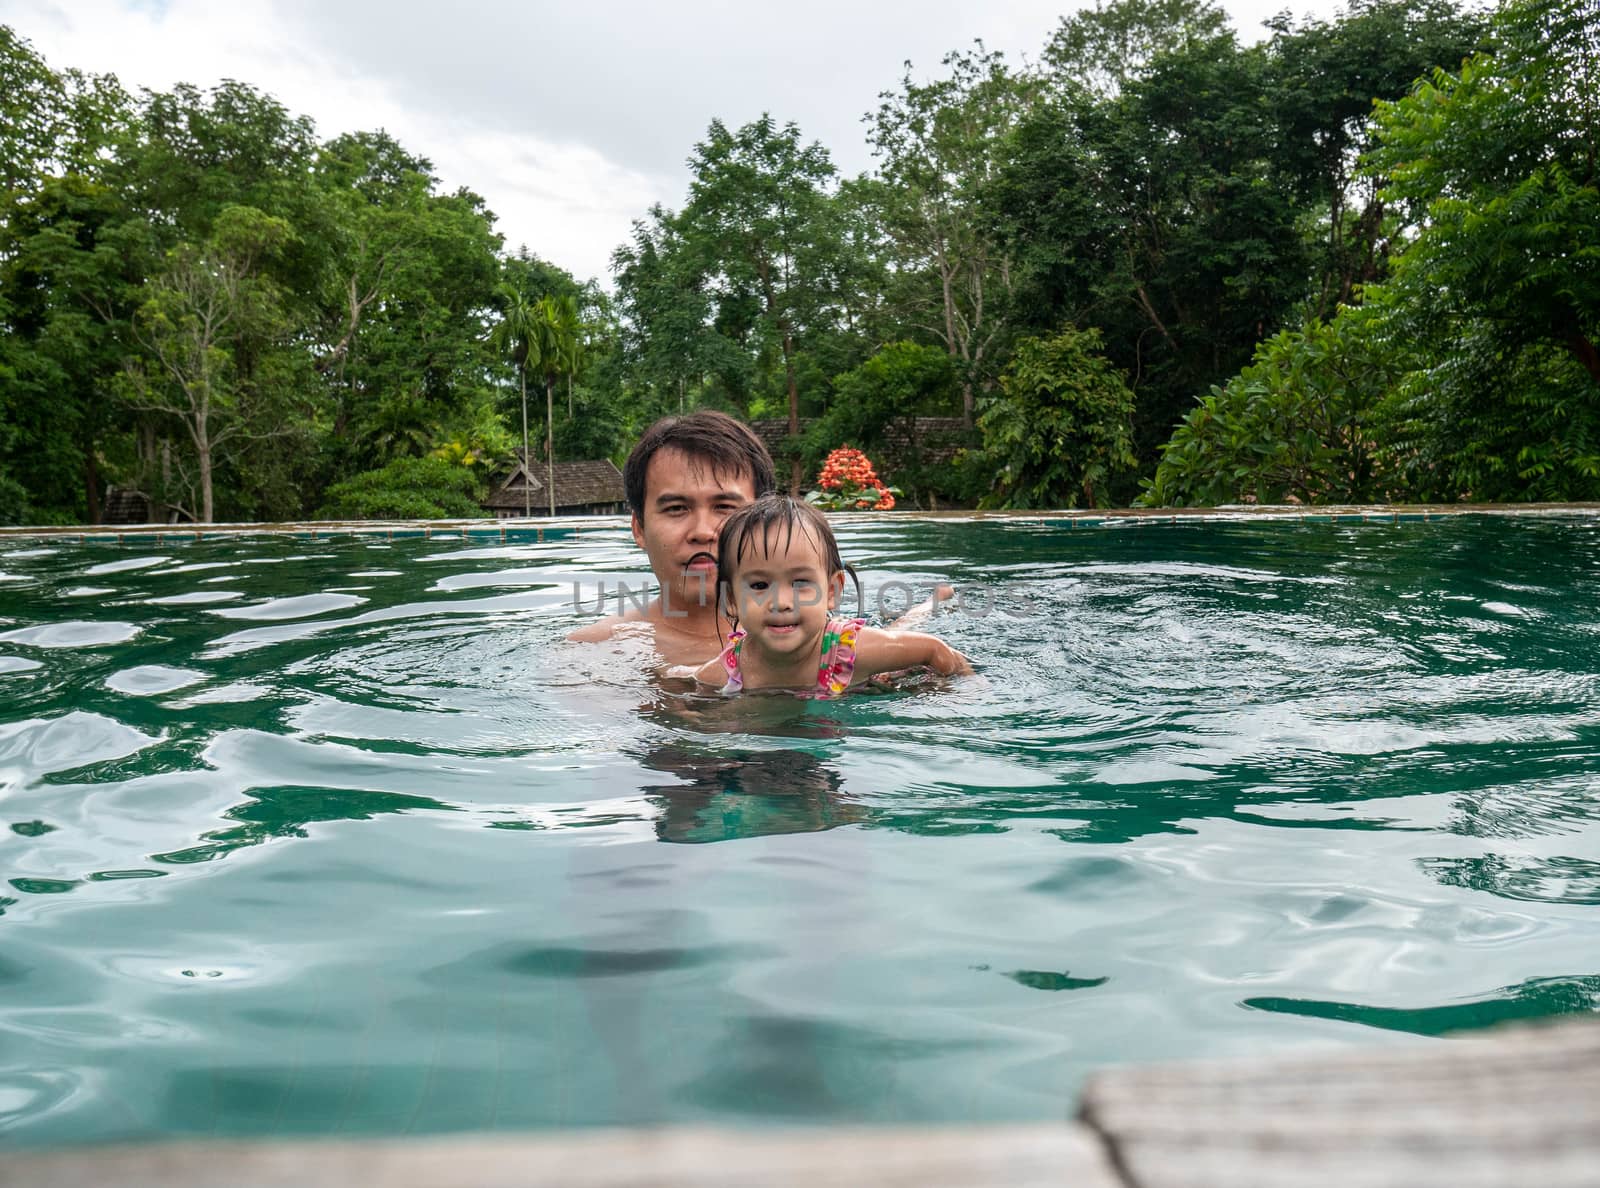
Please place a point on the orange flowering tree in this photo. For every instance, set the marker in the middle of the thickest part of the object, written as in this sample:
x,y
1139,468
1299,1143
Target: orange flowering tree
x,y
848,483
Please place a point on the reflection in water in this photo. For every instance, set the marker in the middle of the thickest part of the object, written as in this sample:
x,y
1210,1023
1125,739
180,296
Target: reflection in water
x,y
1521,876
1541,804
806,1068
744,793
285,812
771,714
1049,979
1536,998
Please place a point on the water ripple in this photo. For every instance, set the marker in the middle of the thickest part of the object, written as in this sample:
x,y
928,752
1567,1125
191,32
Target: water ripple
x,y
351,841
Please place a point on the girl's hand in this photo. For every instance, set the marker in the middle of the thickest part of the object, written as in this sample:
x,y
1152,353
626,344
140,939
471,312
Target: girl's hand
x,y
947,661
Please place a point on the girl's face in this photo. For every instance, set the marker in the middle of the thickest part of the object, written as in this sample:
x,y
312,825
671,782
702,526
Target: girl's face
x,y
784,593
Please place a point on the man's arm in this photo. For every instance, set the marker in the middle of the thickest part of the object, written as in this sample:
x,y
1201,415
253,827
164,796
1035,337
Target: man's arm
x,y
597,632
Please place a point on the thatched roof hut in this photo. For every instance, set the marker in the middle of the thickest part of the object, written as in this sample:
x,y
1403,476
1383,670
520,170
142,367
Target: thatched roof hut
x,y
588,488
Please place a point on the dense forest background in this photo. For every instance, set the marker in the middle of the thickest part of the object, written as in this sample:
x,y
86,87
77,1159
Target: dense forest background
x,y
1358,260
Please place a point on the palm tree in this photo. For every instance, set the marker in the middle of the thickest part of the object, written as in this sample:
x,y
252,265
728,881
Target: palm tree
x,y
554,341
573,331
517,334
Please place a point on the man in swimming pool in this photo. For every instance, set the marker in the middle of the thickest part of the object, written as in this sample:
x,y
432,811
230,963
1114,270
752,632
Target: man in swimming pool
x,y
685,476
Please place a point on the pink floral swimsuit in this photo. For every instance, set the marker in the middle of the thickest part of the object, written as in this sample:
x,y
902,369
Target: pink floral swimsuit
x,y
833,673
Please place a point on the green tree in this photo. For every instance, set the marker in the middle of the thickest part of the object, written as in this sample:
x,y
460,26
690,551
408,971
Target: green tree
x,y
765,241
876,406
476,438
1060,426
1495,301
516,335
184,167
1293,427
51,123
211,300
938,145
668,338
193,153
14,506
135,317
68,299
1322,81
33,118
554,346
1098,51
419,354
373,192
65,268
599,426
1159,217
574,340
1190,196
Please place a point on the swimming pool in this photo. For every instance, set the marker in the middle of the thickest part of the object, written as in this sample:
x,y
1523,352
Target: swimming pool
x,y
338,836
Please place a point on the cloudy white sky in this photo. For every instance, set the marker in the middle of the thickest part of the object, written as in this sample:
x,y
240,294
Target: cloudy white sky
x,y
570,119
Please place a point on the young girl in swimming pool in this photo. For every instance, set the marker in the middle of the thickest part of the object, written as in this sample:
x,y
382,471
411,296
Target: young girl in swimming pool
x,y
780,579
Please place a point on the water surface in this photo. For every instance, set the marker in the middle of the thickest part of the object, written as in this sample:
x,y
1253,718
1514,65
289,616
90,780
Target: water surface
x,y
340,837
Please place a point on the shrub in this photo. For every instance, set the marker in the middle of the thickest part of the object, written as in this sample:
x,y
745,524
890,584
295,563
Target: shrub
x,y
1062,425
406,489
849,483
1292,426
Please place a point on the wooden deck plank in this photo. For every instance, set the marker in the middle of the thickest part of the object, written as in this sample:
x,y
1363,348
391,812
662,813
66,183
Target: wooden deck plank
x,y
1055,1156
1514,1107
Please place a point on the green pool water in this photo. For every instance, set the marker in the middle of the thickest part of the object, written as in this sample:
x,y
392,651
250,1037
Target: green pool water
x,y
339,837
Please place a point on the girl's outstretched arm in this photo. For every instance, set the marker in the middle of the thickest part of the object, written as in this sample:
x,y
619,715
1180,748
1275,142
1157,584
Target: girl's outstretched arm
x,y
879,651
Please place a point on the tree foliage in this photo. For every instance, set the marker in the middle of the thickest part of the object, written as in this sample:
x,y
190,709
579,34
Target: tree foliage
x,y
1495,301
1323,79
1159,216
1293,427
1293,270
1059,431
1099,50
201,300
876,408
939,145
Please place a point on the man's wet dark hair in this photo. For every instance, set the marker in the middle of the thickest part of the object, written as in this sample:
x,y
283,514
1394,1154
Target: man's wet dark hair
x,y
728,446
768,522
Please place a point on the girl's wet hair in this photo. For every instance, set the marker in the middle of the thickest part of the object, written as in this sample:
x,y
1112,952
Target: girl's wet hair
x,y
768,521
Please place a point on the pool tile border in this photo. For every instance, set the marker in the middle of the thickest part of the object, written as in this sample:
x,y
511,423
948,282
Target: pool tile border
x,y
519,532
467,533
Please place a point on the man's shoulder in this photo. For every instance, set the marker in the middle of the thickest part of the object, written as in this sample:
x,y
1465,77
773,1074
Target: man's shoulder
x,y
594,632
671,645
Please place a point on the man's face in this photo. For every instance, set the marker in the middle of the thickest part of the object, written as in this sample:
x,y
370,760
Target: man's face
x,y
685,504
